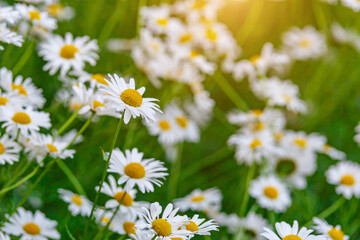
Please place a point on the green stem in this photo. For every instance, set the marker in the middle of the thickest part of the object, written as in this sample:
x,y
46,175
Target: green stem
x,y
87,123
109,26
175,174
24,58
67,123
245,200
103,176
70,175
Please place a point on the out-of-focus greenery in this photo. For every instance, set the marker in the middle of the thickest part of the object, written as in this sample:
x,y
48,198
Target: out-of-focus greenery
x,y
330,85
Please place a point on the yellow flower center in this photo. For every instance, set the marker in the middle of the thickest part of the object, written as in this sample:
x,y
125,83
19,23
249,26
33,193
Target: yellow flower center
x,y
301,142
292,237
287,98
51,148
77,200
129,227
54,9
255,143
211,35
126,200
271,192
348,180
199,198
336,234
194,54
304,43
3,101
20,88
278,136
131,97
257,112
68,51
182,121
326,148
164,125
31,228
34,15
185,38
105,219
161,227
176,238
97,104
135,170
254,59
191,226
2,148
99,78
199,4
162,21
258,126
21,118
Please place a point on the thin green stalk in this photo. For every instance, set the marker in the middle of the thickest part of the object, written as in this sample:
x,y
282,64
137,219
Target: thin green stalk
x,y
175,174
24,58
103,176
67,123
87,123
245,200
230,92
70,175
19,170
109,26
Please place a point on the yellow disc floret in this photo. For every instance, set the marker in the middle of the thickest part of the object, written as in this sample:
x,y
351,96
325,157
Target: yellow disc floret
x,y
68,51
135,170
292,237
124,200
271,192
164,125
199,198
191,226
2,148
348,180
182,121
97,104
31,228
162,227
99,78
3,101
51,148
21,118
77,200
34,15
336,234
131,97
129,228
20,88
255,143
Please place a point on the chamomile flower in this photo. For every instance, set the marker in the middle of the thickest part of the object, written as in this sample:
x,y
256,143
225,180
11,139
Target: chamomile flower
x,y
31,226
199,200
302,44
333,152
126,224
329,231
253,225
165,227
8,98
197,226
27,93
77,204
346,176
103,218
68,53
270,193
24,119
9,150
125,98
55,9
288,232
9,37
9,14
36,17
134,170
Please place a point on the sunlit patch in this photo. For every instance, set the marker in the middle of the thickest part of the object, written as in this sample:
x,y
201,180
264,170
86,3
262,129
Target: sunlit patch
x,y
2,148
292,237
99,78
199,198
129,228
3,101
31,228
255,143
164,125
161,227
54,9
301,142
68,51
21,118
191,226
20,89
135,170
34,15
211,34
77,200
271,192
182,121
336,234
162,21
97,104
347,180
124,200
131,97
51,148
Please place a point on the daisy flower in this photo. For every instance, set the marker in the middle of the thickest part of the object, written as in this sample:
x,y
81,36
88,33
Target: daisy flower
x,y
270,193
199,200
78,204
31,226
69,52
9,14
128,205
333,152
9,37
26,92
125,98
253,225
353,4
288,232
126,224
103,217
57,10
24,119
329,231
8,98
197,226
302,44
134,170
9,150
346,175
36,17
166,227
